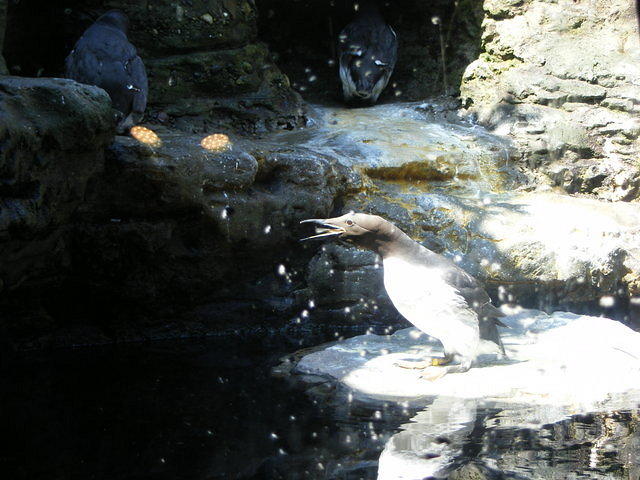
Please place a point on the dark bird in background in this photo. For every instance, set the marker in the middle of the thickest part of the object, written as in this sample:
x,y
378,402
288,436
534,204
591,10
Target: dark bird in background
x,y
367,51
104,57
429,290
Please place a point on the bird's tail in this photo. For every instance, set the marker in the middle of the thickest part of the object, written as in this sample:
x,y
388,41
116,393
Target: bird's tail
x,y
489,347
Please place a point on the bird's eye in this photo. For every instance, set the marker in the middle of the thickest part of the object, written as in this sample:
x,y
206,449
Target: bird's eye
x,y
349,222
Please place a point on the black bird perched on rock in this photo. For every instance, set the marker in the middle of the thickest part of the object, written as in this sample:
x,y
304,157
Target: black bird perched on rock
x,y
429,290
104,57
368,50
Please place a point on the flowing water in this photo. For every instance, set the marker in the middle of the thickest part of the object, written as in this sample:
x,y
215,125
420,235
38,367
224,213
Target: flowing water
x,y
408,142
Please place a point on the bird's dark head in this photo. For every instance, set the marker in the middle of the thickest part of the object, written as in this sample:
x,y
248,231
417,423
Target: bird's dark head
x,y
116,19
363,75
363,230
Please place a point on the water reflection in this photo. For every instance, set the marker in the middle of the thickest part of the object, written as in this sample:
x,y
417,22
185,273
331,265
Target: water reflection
x,y
510,441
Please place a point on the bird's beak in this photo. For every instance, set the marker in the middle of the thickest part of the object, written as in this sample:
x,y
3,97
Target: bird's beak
x,y
323,229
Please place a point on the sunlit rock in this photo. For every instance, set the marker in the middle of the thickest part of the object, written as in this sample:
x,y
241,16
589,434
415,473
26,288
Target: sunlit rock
x,y
560,79
551,361
401,144
451,186
559,366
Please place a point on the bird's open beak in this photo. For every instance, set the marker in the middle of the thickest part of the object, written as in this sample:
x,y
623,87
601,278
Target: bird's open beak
x,y
323,229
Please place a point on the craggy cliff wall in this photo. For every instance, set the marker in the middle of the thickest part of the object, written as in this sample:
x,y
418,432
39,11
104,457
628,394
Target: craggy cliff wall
x,y
203,57
562,79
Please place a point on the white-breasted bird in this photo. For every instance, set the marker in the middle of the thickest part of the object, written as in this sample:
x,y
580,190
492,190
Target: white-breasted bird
x,y
429,290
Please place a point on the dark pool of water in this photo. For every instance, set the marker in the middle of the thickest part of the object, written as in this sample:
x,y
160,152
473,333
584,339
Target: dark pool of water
x,y
208,409
168,410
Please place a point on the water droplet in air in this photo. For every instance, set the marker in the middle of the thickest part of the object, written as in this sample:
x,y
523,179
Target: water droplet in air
x,y
607,301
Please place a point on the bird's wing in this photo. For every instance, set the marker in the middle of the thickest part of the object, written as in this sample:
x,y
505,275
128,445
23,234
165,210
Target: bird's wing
x,y
473,294
386,46
138,80
83,65
478,299
353,40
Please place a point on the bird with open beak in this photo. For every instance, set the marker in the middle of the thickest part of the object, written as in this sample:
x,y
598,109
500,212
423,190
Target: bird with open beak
x,y
429,290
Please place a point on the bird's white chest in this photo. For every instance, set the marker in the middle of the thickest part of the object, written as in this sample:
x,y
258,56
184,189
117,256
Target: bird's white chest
x,y
421,294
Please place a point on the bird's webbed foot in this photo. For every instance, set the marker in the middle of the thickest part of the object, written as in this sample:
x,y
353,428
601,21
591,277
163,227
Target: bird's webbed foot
x,y
434,373
413,364
422,364
441,361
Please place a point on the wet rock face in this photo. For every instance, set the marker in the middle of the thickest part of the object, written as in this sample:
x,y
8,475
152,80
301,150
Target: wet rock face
x,y
3,22
559,78
182,229
461,197
346,284
203,57
45,169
